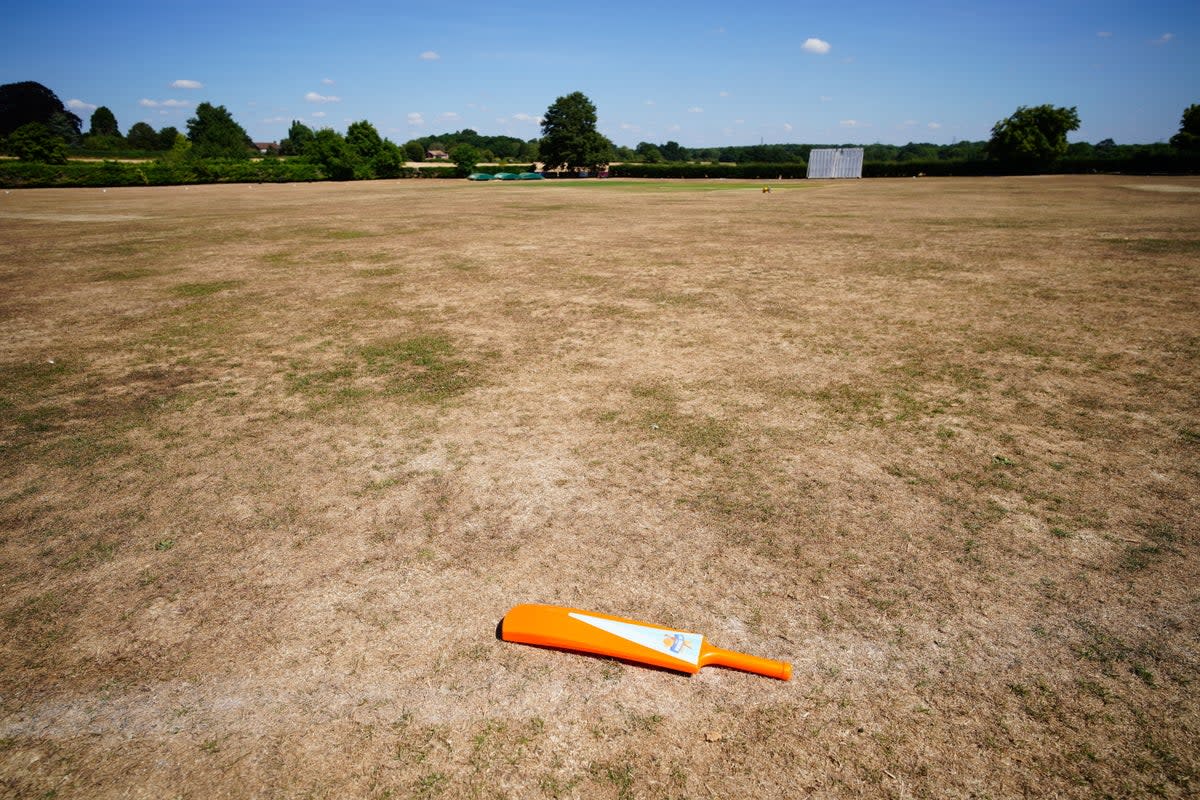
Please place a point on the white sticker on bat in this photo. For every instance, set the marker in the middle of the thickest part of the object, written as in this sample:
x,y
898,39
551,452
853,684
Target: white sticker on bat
x,y
683,646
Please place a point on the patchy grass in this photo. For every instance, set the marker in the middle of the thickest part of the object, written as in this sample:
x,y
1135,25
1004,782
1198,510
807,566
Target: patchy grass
x,y
204,289
932,441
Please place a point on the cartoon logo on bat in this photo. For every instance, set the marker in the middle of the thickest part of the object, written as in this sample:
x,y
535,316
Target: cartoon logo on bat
x,y
676,643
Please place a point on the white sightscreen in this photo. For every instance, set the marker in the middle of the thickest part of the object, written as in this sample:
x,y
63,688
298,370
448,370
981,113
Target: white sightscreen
x,y
841,162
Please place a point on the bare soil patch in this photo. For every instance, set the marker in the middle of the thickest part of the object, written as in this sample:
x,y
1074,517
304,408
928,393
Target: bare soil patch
x,y
274,460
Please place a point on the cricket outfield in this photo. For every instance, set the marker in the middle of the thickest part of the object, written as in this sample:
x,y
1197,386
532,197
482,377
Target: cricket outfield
x,y
276,459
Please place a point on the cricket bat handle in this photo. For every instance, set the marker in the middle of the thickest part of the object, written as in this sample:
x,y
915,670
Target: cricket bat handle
x,y
748,663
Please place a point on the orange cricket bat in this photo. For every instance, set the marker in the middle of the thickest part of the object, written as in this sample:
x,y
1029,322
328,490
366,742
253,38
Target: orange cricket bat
x,y
627,639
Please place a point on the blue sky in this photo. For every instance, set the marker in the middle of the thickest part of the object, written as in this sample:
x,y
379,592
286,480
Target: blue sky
x,y
703,74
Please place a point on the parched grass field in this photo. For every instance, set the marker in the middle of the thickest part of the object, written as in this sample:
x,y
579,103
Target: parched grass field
x,y
275,460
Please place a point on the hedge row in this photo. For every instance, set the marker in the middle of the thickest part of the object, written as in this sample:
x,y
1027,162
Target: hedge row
x,y
681,169
22,175
1178,164
17,174
1144,164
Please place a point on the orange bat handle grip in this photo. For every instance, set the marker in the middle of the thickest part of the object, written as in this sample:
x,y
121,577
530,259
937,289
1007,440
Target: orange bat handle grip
x,y
743,661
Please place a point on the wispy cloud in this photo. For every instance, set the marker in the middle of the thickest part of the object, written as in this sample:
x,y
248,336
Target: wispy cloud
x,y
527,118
825,98
933,126
722,94
818,46
313,97
146,102
449,116
79,105
649,102
328,81
186,84
415,118
854,123
275,120
1165,38
1104,34
787,126
318,114
695,110
429,55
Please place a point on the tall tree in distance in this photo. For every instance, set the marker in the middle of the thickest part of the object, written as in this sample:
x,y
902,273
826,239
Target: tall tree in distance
x,y
1033,137
213,133
29,101
142,137
299,137
1188,137
104,123
569,135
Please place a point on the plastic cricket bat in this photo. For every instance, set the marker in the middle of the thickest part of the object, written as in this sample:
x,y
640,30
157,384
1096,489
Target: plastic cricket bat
x,y
628,640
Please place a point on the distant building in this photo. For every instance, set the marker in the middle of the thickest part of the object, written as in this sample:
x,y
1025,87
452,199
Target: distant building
x,y
437,155
266,147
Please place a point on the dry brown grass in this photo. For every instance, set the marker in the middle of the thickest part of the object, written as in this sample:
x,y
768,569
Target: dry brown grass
x,y
275,460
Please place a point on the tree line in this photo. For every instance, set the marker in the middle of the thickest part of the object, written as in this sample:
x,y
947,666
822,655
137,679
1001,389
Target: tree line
x,y
35,126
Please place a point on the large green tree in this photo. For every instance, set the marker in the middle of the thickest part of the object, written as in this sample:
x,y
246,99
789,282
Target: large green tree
x,y
299,137
142,137
33,141
337,159
569,135
29,101
104,123
465,157
214,134
365,140
1188,137
1033,136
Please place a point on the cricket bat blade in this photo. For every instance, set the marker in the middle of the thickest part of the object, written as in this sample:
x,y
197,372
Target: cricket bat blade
x,y
626,639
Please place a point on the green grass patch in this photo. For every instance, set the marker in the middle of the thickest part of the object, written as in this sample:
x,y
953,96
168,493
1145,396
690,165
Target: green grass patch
x,y
342,235
204,289
426,367
1157,246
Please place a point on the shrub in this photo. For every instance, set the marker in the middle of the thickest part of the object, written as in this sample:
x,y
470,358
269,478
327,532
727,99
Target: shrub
x,y
34,142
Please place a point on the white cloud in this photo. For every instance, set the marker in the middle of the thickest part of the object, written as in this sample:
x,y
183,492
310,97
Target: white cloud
x,y
629,126
313,97
449,116
79,105
1166,37
275,120
186,84
933,126
908,123
318,114
1104,34
429,55
787,126
673,129
825,98
818,46
739,122
723,94
527,118
415,118
649,102
146,102
327,81
853,123
695,110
